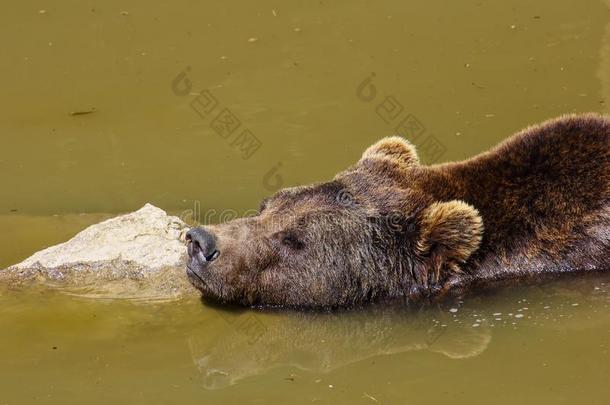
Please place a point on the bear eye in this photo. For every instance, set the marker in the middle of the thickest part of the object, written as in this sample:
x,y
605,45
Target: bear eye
x,y
290,240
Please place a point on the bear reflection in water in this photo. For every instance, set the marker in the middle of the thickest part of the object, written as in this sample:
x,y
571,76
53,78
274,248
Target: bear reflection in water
x,y
247,343
251,343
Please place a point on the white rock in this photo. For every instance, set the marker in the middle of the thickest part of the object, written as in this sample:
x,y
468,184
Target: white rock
x,y
139,255
147,237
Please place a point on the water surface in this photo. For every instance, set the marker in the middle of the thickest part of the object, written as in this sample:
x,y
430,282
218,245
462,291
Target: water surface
x,y
98,118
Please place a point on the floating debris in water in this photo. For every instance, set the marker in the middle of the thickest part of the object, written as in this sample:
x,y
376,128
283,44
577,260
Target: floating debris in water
x,y
453,310
83,112
252,39
365,395
519,316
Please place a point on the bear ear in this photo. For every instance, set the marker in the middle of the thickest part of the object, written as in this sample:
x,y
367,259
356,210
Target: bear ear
x,y
393,148
449,233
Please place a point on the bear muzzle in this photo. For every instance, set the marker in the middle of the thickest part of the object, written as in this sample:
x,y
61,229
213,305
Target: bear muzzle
x,y
201,248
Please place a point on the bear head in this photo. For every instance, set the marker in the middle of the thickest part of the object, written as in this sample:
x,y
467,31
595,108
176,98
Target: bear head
x,y
370,233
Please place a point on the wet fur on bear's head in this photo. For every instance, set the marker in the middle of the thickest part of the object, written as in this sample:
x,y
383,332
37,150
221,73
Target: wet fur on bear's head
x,y
370,233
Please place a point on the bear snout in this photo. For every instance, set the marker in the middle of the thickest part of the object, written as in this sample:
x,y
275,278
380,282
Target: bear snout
x,y
201,248
201,245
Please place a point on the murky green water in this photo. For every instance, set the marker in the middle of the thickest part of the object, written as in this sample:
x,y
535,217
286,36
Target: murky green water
x,y
97,119
546,344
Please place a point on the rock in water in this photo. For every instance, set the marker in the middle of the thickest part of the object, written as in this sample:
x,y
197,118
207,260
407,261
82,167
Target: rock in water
x,y
140,255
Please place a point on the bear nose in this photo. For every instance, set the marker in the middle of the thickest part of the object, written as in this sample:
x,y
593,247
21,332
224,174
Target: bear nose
x,y
201,245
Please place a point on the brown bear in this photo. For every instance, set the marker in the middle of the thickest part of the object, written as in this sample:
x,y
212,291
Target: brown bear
x,y
389,227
